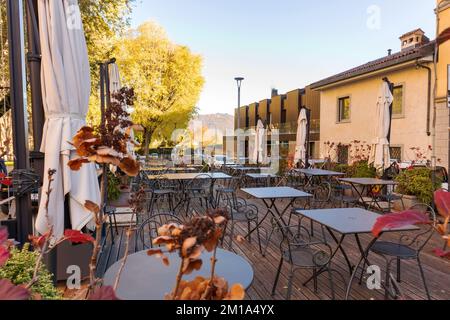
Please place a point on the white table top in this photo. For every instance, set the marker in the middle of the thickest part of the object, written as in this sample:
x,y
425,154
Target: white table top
x,y
369,181
319,172
276,193
348,220
261,175
190,176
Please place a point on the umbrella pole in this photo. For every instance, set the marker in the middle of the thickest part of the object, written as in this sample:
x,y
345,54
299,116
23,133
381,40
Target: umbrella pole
x,y
308,137
391,88
19,112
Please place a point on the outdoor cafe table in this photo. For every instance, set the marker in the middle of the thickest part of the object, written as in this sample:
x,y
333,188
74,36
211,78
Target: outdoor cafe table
x,y
318,174
182,178
366,183
269,196
167,169
262,176
147,278
348,222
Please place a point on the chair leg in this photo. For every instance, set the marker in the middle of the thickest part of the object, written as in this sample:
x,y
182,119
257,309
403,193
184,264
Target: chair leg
x,y
422,274
231,235
387,280
290,284
259,237
115,223
399,271
277,277
249,229
315,280
330,279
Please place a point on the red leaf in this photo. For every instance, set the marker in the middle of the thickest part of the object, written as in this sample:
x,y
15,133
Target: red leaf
x,y
38,242
4,256
441,253
6,182
3,235
75,236
398,220
442,201
9,291
103,293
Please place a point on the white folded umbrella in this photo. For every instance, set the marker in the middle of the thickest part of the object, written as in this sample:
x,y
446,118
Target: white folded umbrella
x,y
380,154
66,87
302,133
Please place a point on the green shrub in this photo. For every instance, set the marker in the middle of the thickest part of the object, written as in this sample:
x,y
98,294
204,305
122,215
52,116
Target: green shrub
x,y
19,269
363,170
113,187
417,182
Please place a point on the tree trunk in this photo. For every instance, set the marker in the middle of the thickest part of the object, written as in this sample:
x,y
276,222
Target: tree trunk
x,y
148,139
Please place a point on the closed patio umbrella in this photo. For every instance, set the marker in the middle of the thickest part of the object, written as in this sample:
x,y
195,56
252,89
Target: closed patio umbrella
x,y
114,78
115,84
66,87
380,155
258,150
302,133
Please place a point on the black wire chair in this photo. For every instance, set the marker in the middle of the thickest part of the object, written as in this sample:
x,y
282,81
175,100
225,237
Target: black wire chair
x,y
242,212
301,253
226,192
200,188
409,247
148,230
160,193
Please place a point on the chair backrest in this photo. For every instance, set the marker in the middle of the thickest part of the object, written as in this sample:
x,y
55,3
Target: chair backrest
x,y
322,194
201,181
148,230
313,254
419,239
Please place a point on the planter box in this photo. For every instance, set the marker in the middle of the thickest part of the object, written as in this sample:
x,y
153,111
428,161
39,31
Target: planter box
x,y
408,201
122,201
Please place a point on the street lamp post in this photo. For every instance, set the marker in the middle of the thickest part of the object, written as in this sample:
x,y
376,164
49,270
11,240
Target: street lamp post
x,y
239,85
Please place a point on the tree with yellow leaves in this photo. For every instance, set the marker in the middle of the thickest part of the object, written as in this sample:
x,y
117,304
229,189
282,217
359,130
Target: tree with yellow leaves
x,y
166,77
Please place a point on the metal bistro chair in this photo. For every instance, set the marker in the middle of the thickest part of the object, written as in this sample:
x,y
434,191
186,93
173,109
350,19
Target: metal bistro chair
x,y
242,212
290,178
226,192
160,191
148,230
340,194
199,188
409,247
301,253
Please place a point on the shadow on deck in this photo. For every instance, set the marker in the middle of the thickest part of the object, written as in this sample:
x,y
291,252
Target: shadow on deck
x,y
265,268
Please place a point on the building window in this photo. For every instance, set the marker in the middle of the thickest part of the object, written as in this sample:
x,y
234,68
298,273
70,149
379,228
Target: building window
x,y
344,109
396,154
343,152
397,107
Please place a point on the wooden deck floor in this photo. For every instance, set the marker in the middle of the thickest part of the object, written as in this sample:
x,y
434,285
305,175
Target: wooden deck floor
x,y
437,270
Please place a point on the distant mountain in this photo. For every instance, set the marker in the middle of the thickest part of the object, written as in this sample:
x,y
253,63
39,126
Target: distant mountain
x,y
218,124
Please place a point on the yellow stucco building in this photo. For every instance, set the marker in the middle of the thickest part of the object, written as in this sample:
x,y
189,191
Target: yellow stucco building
x,y
420,111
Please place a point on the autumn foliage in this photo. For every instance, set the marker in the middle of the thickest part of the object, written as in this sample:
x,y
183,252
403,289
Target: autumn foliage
x,y
190,241
399,220
108,144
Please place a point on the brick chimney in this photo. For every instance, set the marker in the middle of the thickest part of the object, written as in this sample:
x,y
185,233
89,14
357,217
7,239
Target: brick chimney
x,y
274,92
413,39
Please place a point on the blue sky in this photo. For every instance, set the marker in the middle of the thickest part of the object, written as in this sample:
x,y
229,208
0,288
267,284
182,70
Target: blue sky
x,y
283,44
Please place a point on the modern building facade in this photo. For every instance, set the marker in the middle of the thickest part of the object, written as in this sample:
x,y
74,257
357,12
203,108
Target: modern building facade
x,y
420,117
343,106
281,112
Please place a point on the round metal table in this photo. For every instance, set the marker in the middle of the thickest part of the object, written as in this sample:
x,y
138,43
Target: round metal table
x,y
147,278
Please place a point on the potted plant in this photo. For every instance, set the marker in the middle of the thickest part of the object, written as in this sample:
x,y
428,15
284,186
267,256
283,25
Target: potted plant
x,y
416,185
